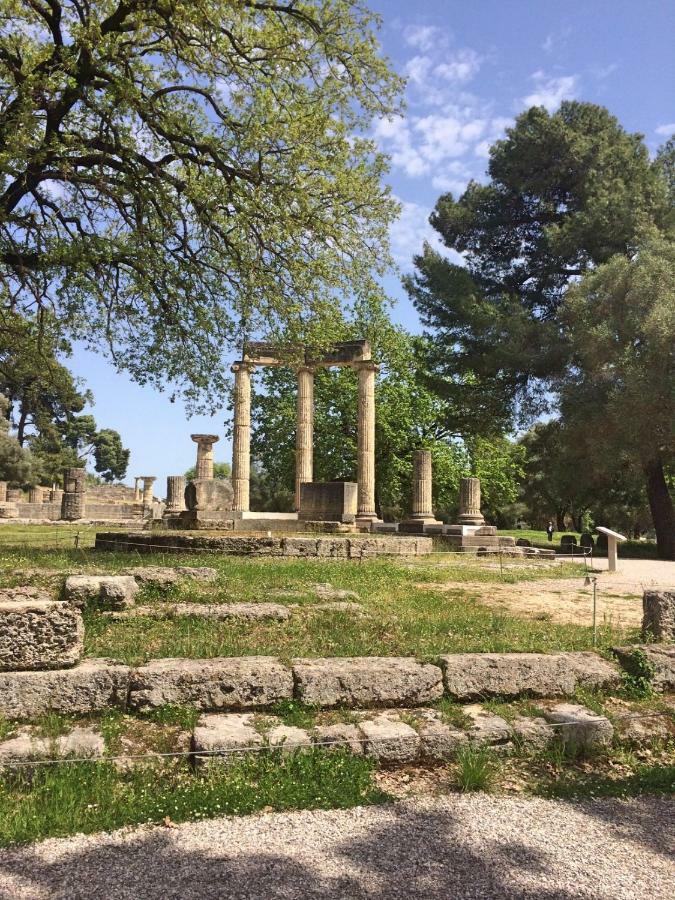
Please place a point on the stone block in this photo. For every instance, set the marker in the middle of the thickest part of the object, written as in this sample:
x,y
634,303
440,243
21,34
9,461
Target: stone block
x,y
366,681
660,658
39,634
339,736
579,728
220,611
9,510
331,501
658,615
28,745
486,728
217,736
91,686
211,684
532,734
165,576
116,591
213,494
473,676
287,738
440,741
390,741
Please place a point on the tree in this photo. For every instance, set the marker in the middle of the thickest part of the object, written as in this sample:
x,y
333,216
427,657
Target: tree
x,y
176,177
620,323
221,470
567,191
16,464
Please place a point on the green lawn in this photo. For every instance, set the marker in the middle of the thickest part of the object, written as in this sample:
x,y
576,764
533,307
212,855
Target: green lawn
x,y
407,610
629,549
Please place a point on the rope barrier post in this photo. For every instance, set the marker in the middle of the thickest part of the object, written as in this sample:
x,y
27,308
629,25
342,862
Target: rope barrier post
x,y
77,540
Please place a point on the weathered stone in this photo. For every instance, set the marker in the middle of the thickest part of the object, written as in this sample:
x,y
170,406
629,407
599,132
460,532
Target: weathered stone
x,y
9,510
532,734
341,735
28,745
39,634
440,741
389,740
246,611
23,593
470,676
339,606
486,728
579,728
288,738
660,659
204,494
211,684
658,615
165,576
641,729
91,686
217,736
117,591
366,681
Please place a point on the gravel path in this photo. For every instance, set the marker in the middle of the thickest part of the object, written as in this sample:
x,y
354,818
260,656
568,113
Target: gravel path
x,y
451,847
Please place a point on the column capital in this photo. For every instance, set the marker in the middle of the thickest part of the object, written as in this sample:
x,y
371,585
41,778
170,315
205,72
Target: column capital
x,y
366,365
208,439
148,478
305,367
242,365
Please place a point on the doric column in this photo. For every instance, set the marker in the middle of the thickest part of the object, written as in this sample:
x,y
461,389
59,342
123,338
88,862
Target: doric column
x,y
469,502
204,442
73,501
422,505
148,481
366,441
35,494
137,489
175,493
304,435
241,438
3,491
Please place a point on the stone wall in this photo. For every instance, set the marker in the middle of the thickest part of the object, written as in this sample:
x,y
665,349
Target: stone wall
x,y
333,547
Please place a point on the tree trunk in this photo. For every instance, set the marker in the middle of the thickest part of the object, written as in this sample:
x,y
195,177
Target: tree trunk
x,y
661,506
560,519
21,429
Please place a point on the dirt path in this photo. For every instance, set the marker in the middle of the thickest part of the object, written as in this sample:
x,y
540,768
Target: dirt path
x,y
457,847
619,594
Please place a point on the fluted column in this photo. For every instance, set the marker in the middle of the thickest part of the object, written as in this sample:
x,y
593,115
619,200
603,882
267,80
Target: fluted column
x,y
304,435
148,490
175,493
3,491
366,442
469,502
241,439
422,504
204,442
35,494
137,489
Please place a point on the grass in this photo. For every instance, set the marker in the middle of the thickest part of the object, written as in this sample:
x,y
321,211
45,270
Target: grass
x,y
408,610
476,769
89,797
629,550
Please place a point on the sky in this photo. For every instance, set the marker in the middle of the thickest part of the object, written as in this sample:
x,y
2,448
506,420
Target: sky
x,y
471,68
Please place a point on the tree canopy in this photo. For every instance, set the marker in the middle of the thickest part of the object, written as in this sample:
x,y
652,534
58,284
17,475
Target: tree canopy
x,y
175,177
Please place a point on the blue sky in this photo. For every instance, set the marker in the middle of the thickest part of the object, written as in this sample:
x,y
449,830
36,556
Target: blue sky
x,y
472,67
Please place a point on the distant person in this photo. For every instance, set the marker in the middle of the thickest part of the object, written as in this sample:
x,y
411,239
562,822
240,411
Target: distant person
x,y
549,531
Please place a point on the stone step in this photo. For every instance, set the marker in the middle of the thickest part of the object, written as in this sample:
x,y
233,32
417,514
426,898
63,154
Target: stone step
x,y
246,611
29,744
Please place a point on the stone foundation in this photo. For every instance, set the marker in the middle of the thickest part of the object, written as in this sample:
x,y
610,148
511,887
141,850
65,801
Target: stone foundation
x,y
355,547
39,634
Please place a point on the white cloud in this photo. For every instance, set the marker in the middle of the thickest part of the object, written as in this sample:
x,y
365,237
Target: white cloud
x,y
459,67
666,130
548,44
551,91
418,68
418,145
423,37
410,231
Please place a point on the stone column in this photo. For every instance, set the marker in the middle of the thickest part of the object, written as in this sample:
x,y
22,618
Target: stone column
x,y
241,438
55,495
204,442
469,502
422,504
35,494
73,502
366,442
3,491
175,494
148,481
304,435
137,489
